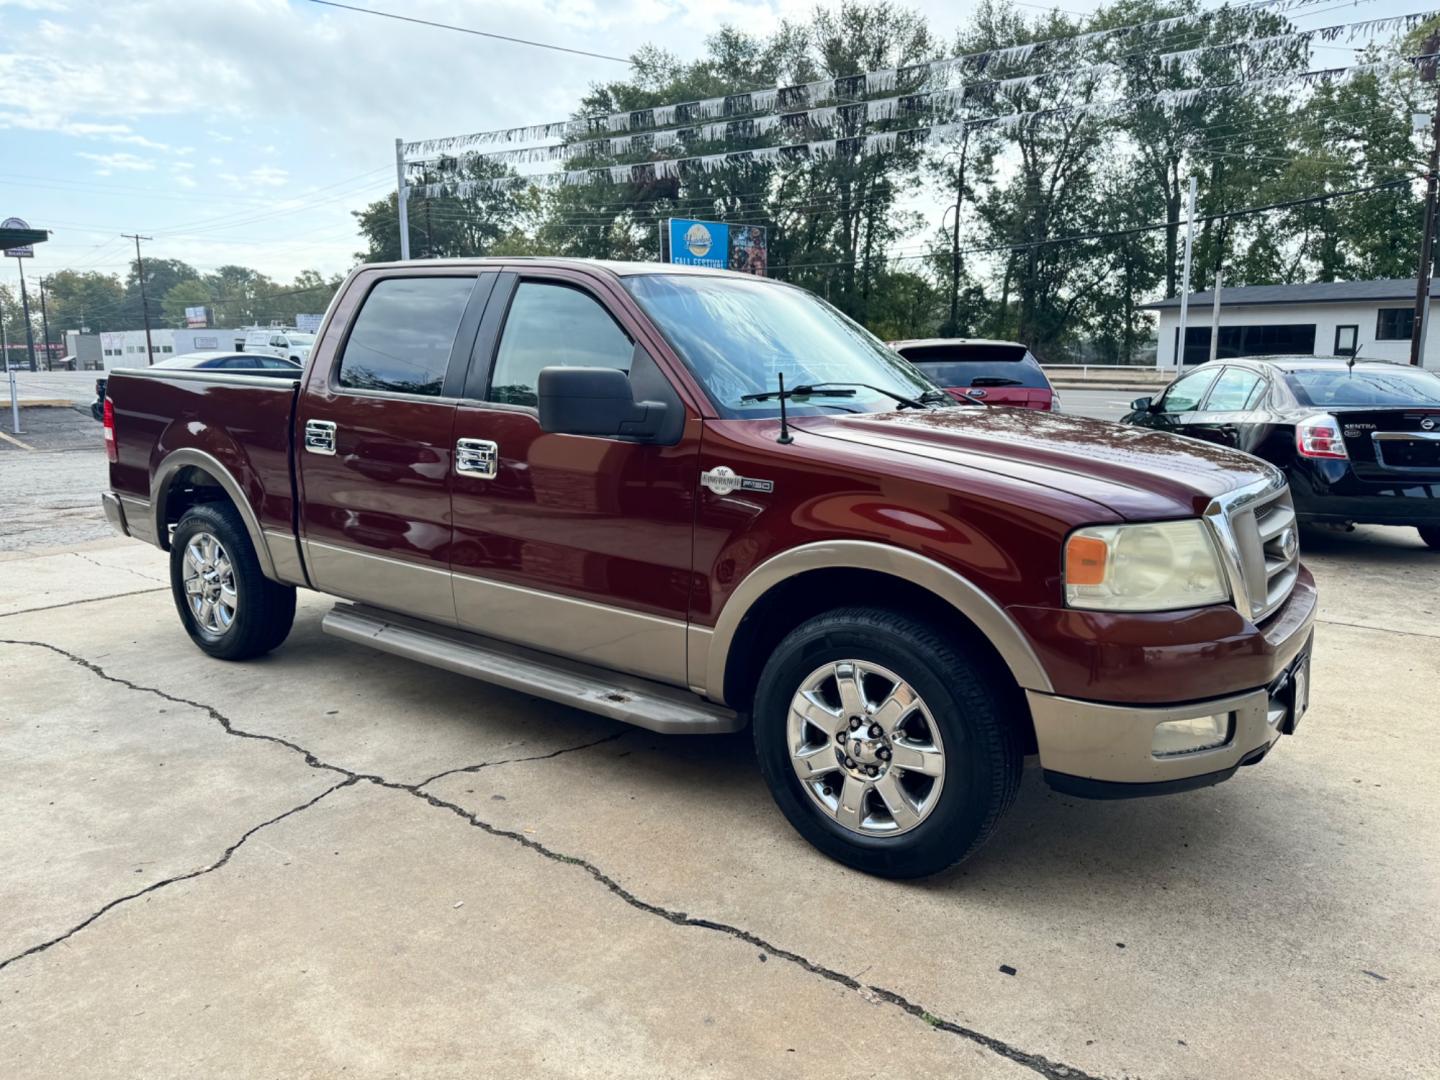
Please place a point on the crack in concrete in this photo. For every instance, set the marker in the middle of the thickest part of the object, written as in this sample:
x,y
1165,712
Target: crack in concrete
x,y
1036,1062
86,600
517,760
126,569
154,886
1378,629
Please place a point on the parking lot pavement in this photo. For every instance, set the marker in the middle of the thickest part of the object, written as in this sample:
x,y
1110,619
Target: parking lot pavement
x,y
332,860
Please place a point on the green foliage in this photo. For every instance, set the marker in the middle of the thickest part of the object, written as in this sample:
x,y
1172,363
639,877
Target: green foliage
x,y
1067,224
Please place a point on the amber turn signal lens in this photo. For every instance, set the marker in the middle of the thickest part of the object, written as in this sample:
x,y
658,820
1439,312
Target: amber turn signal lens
x,y
1085,560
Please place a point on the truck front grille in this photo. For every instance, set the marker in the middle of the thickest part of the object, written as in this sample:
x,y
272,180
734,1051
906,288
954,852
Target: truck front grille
x,y
1259,542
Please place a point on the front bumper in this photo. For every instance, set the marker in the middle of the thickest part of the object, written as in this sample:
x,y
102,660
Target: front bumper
x,y
1102,750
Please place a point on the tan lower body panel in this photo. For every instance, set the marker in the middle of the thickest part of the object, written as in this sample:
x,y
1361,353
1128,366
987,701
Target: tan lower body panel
x,y
1113,742
610,637
393,584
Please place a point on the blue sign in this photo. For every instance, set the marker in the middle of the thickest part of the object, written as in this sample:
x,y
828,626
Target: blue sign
x,y
699,243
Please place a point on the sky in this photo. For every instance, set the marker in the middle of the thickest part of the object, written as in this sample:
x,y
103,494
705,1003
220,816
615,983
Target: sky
x,y
245,131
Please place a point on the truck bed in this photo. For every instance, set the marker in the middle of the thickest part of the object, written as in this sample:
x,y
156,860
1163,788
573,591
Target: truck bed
x,y
177,428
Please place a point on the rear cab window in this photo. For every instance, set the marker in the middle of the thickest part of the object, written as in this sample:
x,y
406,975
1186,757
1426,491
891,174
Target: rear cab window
x,y
979,364
401,339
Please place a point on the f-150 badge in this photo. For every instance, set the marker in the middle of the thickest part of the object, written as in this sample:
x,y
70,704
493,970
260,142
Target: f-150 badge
x,y
723,481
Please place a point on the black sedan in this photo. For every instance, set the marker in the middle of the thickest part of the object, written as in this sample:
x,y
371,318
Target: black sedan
x,y
1358,440
238,362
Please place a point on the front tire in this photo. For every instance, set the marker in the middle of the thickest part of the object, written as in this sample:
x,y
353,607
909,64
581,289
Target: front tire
x,y
1431,535
229,608
882,744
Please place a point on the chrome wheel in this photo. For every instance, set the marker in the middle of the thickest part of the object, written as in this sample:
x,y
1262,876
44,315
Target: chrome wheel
x,y
866,749
210,584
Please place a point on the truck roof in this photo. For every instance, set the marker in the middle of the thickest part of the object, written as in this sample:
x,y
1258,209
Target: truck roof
x,y
614,266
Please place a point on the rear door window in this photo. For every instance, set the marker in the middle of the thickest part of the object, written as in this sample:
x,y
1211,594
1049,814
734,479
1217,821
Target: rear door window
x,y
401,339
1186,395
1235,390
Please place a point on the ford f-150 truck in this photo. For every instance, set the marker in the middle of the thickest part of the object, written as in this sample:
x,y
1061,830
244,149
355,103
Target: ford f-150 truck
x,y
690,499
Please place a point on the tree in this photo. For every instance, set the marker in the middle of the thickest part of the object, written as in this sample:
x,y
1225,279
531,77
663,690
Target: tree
x,y
161,275
85,299
186,294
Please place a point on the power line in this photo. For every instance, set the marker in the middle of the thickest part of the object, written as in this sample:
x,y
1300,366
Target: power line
x,y
476,33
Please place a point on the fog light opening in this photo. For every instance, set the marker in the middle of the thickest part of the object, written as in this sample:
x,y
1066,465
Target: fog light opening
x,y
1176,737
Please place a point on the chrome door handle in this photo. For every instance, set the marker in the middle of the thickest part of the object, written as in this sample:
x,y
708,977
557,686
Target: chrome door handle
x,y
477,457
320,437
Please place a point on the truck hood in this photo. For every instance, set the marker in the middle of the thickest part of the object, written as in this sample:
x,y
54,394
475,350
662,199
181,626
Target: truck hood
x,y
1138,473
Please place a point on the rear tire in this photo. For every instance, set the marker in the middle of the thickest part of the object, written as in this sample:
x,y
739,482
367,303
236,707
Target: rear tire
x,y
229,608
1431,535
912,788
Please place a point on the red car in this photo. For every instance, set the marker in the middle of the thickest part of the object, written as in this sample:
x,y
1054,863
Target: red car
x,y
694,500
992,372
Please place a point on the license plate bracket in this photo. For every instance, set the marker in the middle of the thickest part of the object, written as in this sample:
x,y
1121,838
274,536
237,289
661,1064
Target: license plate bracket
x,y
1296,694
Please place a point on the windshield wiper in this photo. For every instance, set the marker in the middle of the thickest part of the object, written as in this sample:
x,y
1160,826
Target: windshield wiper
x,y
796,391
834,389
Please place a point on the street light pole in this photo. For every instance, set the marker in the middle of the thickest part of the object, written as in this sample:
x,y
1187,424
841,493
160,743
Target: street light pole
x,y
400,199
25,309
1427,238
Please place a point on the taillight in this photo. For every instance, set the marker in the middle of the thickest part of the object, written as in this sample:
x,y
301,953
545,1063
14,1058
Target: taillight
x,y
1319,437
108,417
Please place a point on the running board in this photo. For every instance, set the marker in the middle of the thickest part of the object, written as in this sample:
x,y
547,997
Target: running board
x,y
632,700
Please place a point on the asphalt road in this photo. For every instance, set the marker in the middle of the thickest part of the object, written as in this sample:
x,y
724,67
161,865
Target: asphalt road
x,y
1103,404
333,861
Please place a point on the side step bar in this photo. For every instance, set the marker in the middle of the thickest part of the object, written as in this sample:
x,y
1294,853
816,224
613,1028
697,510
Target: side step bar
x,y
632,700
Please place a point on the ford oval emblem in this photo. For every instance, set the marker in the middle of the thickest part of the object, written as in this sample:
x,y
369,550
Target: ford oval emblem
x,y
975,393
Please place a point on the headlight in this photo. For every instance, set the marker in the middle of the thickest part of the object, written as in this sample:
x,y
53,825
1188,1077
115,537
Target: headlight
x,y
1159,566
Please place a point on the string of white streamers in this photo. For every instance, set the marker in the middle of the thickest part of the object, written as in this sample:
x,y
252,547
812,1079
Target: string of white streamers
x,y
807,94
886,142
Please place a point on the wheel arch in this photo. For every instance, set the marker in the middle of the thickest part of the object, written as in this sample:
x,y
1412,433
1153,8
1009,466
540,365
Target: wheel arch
x,y
797,584
189,476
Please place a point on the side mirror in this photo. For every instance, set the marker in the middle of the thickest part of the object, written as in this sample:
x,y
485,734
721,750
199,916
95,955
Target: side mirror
x,y
1145,404
595,401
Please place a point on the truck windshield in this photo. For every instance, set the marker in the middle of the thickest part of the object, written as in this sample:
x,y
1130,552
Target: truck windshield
x,y
299,338
738,336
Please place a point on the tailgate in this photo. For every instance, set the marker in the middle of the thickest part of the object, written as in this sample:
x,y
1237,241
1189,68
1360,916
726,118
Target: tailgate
x,y
1388,444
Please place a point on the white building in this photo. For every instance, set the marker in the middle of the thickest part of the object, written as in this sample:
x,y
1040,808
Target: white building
x,y
1331,318
126,348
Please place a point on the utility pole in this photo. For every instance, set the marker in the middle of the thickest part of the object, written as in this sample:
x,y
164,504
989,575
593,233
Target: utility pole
x,y
955,235
145,305
1215,316
1427,239
1185,278
400,199
45,323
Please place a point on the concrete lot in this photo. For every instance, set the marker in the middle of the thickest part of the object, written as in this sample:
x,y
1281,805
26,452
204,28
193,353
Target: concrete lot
x,y
333,861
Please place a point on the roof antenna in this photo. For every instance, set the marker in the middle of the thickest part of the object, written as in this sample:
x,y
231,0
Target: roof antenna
x,y
1350,361
785,438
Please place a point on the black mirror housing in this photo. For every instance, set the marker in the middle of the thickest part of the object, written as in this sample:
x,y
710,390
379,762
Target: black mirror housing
x,y
1143,404
596,401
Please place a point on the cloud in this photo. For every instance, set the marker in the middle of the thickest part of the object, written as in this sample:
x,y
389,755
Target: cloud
x,y
268,176
183,180
121,162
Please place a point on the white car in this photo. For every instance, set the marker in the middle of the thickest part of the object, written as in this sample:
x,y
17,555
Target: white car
x,y
279,341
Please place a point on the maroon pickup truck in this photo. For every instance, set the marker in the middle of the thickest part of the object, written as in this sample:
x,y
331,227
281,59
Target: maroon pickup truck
x,y
689,499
